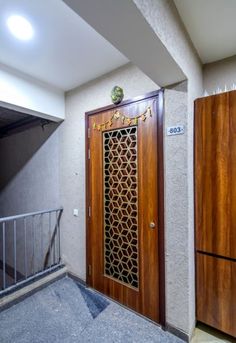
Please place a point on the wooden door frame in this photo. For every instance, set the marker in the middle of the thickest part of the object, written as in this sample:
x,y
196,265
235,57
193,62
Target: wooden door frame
x,y
160,156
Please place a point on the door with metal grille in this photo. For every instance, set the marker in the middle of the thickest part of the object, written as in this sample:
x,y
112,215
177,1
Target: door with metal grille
x,y
124,209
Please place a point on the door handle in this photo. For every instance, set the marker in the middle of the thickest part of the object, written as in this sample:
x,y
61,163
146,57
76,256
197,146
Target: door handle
x,y
152,225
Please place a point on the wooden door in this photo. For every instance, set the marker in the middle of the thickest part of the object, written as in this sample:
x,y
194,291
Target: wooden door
x,y
125,204
215,210
215,171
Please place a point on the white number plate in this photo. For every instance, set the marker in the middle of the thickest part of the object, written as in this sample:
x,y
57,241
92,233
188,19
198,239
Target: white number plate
x,y
175,130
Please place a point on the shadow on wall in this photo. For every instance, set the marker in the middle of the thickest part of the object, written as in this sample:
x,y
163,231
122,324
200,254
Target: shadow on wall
x,y
16,150
29,173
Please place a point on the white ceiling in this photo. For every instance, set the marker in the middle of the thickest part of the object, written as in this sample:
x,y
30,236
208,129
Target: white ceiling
x,y
65,51
211,26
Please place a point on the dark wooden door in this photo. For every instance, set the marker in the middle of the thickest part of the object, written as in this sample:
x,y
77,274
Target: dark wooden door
x,y
215,210
125,207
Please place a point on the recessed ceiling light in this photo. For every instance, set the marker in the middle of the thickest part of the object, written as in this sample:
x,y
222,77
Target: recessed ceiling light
x,y
20,27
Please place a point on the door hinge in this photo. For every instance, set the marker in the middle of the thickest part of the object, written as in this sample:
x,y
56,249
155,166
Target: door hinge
x,y
88,132
89,270
89,154
89,211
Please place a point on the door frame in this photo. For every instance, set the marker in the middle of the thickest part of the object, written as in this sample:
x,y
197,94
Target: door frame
x,y
160,156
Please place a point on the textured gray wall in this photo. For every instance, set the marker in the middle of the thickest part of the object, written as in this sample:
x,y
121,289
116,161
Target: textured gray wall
x,y
220,76
29,175
176,212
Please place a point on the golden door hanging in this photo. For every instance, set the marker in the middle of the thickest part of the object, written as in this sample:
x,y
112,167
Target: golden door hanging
x,y
124,119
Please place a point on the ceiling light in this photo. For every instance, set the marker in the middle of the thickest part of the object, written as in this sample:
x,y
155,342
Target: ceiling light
x,y
20,27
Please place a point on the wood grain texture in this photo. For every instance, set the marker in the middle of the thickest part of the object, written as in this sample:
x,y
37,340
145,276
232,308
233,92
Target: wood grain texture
x,y
146,299
215,210
215,171
216,293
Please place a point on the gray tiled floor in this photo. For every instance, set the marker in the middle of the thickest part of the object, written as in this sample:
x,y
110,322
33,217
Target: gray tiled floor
x,y
63,312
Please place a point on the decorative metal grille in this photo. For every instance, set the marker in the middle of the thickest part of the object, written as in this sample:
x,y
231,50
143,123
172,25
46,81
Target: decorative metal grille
x,y
121,205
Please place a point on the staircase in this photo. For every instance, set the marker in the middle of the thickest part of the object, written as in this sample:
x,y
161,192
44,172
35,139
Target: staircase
x,y
29,247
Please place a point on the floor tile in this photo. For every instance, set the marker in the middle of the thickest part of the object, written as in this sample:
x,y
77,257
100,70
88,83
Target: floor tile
x,y
205,334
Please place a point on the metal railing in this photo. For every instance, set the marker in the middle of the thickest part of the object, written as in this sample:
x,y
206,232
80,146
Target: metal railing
x,y
29,247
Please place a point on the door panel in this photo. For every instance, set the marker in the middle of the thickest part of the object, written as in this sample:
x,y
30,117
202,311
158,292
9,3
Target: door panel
x,y
215,210
216,289
122,194
215,170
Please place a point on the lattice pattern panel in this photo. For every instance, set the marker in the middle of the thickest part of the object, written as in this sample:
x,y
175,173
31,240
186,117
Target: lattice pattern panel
x,y
121,205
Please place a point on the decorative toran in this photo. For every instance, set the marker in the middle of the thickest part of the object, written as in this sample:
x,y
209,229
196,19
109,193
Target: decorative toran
x,y
125,120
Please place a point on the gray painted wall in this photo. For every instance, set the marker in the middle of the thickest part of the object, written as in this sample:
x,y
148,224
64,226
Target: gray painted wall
x,y
220,76
176,211
29,175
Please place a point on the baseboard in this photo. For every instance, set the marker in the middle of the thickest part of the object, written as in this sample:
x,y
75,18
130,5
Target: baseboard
x,y
75,277
178,333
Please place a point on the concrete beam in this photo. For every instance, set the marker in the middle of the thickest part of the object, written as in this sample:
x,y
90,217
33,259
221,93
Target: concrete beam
x,y
123,25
